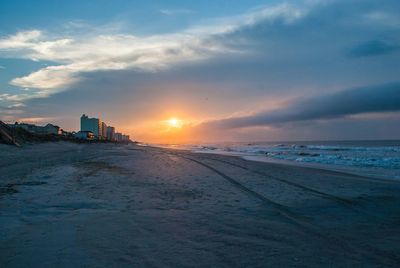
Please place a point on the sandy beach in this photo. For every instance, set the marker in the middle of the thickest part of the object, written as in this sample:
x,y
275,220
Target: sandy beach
x,y
106,205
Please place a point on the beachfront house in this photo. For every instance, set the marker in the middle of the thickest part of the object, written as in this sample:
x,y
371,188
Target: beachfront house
x,y
84,135
42,130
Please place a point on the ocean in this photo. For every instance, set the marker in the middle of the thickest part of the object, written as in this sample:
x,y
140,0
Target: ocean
x,y
372,158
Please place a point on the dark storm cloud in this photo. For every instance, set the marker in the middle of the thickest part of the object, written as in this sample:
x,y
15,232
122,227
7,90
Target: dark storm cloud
x,y
373,48
382,98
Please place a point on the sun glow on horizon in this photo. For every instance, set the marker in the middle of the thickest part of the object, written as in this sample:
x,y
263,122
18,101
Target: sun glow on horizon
x,y
174,122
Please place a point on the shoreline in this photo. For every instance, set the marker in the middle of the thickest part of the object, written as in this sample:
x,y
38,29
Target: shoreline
x,y
334,168
351,170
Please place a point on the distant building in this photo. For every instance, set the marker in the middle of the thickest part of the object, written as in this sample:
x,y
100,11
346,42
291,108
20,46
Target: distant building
x,y
66,133
93,125
111,133
84,135
51,129
100,130
42,130
103,131
118,137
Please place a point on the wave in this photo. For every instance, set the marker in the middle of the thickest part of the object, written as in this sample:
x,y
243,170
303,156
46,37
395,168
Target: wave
x,y
362,156
380,158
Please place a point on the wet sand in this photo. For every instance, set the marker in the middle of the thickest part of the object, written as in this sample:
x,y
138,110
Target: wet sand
x,y
103,205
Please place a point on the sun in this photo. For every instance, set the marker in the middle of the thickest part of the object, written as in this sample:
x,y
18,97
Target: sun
x,y
174,122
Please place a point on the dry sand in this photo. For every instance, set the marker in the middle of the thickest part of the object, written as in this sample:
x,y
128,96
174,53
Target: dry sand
x,y
103,205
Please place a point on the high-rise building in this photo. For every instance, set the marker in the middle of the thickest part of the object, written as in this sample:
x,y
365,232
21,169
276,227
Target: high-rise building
x,y
100,130
125,138
111,133
118,136
103,131
91,124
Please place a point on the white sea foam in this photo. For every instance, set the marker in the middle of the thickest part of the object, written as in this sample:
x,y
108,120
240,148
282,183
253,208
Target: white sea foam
x,y
373,158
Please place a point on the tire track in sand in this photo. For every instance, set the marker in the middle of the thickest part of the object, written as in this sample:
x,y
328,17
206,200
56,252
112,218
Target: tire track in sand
x,y
339,243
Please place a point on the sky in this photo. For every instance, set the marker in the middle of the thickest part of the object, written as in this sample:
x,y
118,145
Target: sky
x,y
223,70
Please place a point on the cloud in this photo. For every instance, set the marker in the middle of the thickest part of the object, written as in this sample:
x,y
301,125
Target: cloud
x,y
16,105
76,55
382,98
35,120
385,18
12,97
51,77
112,52
373,48
23,39
177,11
